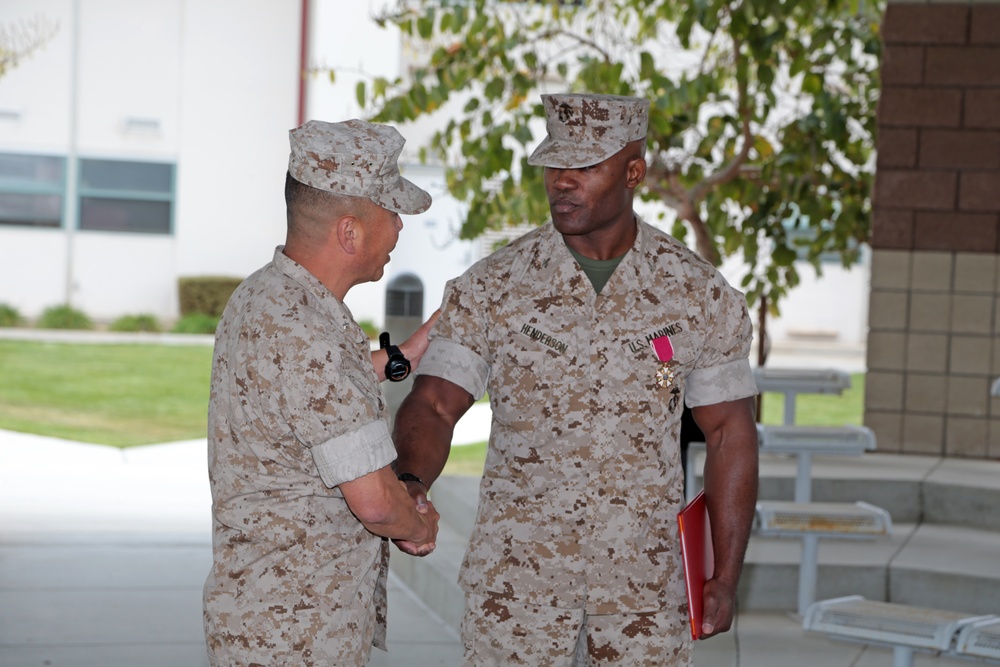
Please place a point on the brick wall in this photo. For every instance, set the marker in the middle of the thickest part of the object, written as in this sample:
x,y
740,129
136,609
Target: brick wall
x,y
934,338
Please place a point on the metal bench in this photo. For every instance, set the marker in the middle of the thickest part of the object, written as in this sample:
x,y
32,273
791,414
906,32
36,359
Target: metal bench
x,y
980,639
812,521
794,381
802,442
805,441
903,628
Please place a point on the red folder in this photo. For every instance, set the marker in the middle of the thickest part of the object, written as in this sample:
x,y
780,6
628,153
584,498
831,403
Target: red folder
x,y
698,556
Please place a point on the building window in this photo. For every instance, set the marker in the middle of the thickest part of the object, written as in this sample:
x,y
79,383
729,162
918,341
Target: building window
x,y
119,196
31,190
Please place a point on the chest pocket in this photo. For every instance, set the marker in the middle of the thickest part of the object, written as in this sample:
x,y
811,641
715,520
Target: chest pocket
x,y
532,359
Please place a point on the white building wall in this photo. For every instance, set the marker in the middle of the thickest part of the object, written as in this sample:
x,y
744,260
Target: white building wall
x,y
128,64
344,37
832,308
208,85
240,82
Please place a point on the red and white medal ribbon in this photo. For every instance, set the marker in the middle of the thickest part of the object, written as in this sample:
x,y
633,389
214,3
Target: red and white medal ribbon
x,y
665,353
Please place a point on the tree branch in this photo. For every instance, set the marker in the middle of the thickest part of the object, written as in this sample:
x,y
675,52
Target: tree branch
x,y
664,183
729,171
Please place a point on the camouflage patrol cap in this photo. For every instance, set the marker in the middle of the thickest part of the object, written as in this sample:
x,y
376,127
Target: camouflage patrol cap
x,y
586,129
355,158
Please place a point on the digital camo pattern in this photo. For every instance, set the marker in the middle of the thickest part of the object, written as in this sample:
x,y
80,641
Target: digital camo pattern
x,y
584,129
296,578
583,477
498,633
355,158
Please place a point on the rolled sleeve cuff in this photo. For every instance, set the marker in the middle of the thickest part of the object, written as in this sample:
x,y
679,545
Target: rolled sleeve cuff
x,y
456,363
354,454
718,384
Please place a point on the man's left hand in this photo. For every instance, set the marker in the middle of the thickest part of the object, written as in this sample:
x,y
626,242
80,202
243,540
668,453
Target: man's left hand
x,y
719,605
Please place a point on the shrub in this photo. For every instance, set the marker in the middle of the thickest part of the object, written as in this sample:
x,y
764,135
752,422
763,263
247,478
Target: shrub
x,y
369,328
196,323
9,316
205,295
64,317
135,323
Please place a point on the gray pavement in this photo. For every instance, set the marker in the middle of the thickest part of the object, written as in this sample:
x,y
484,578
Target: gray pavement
x,y
103,554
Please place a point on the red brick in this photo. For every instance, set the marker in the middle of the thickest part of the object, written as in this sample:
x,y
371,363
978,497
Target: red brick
x,y
964,66
896,148
892,229
963,149
902,65
920,107
933,190
959,232
979,191
985,24
907,23
982,108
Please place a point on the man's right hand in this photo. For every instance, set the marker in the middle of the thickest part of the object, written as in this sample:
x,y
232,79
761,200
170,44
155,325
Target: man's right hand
x,y
429,514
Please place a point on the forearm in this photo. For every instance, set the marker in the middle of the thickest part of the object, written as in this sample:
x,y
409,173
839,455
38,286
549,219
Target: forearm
x,y
379,359
731,494
731,478
382,505
423,441
425,424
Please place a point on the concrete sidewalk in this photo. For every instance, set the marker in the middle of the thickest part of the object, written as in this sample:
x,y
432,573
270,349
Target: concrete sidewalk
x,y
103,554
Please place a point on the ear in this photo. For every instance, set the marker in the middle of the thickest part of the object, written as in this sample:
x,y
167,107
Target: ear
x,y
348,233
635,173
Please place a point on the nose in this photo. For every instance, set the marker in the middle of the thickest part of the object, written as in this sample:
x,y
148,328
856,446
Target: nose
x,y
399,223
561,179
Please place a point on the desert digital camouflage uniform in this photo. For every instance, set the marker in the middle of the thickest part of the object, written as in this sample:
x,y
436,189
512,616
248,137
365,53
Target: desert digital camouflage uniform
x,y
583,479
295,409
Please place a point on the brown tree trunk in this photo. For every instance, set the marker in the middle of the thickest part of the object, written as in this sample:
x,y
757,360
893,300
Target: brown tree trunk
x,y
761,348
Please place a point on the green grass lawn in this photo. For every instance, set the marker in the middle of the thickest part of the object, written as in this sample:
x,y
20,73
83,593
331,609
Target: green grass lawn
x,y
120,395
126,395
821,409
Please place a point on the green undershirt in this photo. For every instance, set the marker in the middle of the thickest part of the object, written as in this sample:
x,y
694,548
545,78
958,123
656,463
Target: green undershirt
x,y
598,270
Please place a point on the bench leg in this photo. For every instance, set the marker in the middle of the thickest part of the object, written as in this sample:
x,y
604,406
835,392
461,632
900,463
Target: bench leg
x,y
788,417
902,656
803,477
808,564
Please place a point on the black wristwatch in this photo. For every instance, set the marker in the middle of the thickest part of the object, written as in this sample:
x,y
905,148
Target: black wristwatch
x,y
397,368
409,477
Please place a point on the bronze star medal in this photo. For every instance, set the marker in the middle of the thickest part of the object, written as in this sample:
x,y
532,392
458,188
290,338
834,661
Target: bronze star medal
x,y
665,374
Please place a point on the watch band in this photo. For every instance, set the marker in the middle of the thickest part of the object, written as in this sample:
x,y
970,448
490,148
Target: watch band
x,y
409,477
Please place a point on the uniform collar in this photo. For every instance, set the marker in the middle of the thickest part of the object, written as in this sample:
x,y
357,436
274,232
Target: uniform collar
x,y
553,261
324,297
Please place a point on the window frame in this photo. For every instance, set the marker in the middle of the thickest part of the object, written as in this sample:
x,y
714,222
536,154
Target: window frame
x,y
169,196
31,187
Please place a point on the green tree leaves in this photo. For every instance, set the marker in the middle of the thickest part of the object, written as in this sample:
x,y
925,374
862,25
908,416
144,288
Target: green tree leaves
x,y
761,126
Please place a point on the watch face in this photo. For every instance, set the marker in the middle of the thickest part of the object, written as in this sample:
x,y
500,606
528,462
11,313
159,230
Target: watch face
x,y
397,370
398,366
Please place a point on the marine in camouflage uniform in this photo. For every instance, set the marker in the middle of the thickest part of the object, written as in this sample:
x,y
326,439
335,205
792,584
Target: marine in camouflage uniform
x,y
574,558
297,422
